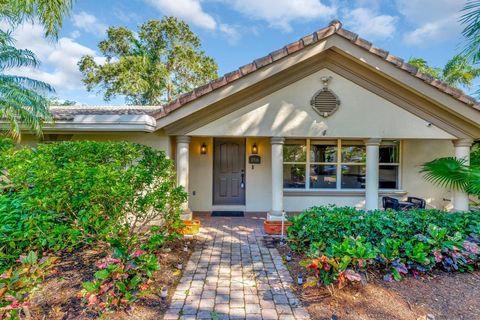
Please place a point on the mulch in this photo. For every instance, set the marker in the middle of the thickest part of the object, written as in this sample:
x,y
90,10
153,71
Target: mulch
x,y
59,298
437,295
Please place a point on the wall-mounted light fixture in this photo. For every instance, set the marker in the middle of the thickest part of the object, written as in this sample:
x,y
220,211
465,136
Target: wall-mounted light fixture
x,y
203,148
254,149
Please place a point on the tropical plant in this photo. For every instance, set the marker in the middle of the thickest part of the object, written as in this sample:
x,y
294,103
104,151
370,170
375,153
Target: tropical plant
x,y
149,67
423,66
17,283
341,244
471,20
49,13
22,100
121,279
453,173
457,72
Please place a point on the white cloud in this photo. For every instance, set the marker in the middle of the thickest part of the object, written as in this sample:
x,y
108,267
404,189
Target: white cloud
x,y
281,13
75,34
369,24
59,60
231,33
189,10
89,23
432,20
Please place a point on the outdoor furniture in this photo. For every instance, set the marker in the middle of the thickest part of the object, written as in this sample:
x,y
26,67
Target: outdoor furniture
x,y
395,204
418,203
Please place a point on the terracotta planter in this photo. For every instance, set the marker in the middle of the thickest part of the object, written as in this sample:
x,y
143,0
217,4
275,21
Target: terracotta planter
x,y
275,227
191,227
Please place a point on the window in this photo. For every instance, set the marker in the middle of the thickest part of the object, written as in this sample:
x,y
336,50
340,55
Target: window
x,y
323,164
294,164
389,165
336,164
353,164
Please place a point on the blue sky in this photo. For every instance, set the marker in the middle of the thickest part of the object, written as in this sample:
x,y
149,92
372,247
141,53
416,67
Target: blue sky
x,y
235,32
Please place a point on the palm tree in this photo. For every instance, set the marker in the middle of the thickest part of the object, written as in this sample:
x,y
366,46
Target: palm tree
x,y
454,173
22,100
457,72
471,20
423,66
49,13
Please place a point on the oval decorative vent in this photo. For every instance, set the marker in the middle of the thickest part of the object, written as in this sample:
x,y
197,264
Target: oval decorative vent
x,y
325,102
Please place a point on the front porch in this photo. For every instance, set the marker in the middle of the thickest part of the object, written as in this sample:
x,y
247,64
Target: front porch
x,y
292,174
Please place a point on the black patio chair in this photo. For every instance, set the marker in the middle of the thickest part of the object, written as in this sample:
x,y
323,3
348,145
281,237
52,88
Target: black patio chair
x,y
418,203
395,204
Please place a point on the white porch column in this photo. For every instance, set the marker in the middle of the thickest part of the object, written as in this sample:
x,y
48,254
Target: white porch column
x,y
371,188
462,151
277,178
182,165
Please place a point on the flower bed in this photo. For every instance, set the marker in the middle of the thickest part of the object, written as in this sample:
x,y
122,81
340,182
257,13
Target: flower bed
x,y
342,243
68,196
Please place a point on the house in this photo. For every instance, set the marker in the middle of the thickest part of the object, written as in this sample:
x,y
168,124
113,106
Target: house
x,y
328,119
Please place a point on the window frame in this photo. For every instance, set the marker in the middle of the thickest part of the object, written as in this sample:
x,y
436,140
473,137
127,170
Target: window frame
x,y
339,162
392,164
310,163
307,146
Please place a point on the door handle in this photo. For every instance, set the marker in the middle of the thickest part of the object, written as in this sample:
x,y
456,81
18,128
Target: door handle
x,y
242,183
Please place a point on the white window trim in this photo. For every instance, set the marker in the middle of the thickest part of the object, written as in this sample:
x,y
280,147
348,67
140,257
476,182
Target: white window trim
x,y
339,163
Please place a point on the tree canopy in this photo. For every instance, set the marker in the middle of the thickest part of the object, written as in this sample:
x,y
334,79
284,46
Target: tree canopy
x,y
162,60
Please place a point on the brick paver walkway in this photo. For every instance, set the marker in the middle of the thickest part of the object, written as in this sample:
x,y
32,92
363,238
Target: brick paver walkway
x,y
232,275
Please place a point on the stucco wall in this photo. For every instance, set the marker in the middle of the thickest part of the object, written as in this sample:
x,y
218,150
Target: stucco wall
x,y
259,177
287,112
414,154
200,175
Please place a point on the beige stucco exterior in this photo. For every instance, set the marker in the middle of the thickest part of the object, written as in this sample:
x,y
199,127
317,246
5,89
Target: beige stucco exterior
x,y
287,113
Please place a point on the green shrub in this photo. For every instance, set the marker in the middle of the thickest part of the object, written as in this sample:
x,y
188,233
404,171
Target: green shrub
x,y
343,241
63,195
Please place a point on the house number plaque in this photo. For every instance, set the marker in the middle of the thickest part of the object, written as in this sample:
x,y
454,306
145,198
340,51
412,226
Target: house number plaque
x,y
254,159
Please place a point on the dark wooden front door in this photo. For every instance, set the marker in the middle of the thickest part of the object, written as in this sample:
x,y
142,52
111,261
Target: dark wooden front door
x,y
229,172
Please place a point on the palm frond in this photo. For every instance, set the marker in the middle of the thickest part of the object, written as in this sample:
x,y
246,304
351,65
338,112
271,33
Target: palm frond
x,y
28,83
474,181
447,172
11,57
460,72
21,106
49,13
471,20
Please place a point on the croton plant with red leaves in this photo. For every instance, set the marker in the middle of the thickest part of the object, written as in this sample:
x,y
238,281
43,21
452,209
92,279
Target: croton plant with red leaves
x,y
121,279
18,283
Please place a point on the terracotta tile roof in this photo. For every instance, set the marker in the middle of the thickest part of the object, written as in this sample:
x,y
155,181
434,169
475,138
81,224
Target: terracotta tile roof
x,y
335,27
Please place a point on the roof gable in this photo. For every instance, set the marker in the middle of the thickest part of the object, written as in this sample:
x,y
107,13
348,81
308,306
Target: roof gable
x,y
334,28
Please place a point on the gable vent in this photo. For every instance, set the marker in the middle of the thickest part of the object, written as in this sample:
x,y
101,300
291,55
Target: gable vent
x,y
325,102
